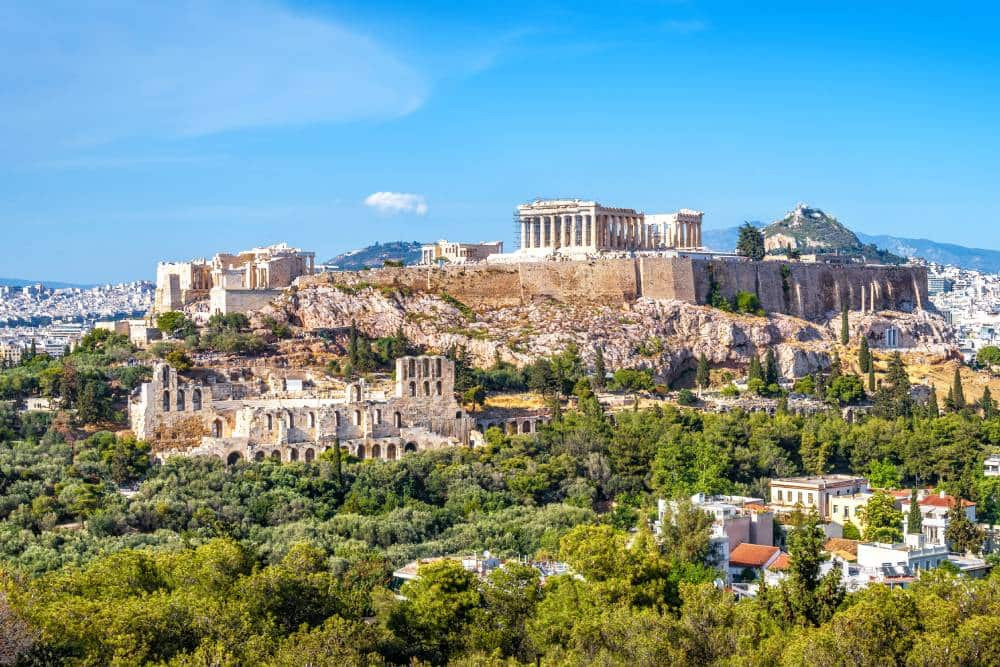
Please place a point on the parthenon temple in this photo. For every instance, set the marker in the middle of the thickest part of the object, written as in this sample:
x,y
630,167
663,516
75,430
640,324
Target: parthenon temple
x,y
578,227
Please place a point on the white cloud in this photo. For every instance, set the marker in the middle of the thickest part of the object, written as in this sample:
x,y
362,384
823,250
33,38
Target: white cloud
x,y
391,203
86,74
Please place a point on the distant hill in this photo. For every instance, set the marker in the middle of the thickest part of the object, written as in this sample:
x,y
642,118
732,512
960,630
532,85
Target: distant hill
x,y
20,282
808,229
981,259
407,252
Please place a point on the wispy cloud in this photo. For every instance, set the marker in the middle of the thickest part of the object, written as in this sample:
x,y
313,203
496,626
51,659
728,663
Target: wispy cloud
x,y
392,203
87,74
685,26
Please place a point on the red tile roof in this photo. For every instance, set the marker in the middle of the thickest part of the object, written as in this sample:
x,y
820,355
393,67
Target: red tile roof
x,y
751,555
946,501
780,563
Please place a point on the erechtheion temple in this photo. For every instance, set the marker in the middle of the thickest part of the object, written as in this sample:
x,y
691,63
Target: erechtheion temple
x,y
245,419
232,283
576,227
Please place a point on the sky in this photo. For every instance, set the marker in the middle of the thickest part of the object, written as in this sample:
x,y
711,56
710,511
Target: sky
x,y
137,132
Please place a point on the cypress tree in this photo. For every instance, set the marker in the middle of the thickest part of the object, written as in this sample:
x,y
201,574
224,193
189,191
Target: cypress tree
x,y
932,404
957,393
600,372
988,405
949,399
702,374
914,520
836,367
770,368
845,327
352,344
755,372
871,378
864,355
337,464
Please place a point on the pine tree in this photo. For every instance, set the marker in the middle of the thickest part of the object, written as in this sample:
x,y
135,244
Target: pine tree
x,y
864,355
600,372
751,242
932,404
987,403
957,393
845,327
914,520
702,376
893,397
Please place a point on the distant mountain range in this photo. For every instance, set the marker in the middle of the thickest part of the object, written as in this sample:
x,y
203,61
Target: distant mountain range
x,y
20,282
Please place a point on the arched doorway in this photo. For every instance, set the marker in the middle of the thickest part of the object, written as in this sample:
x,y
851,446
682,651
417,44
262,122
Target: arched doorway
x,y
233,458
310,454
276,455
360,452
259,456
376,452
293,454
390,452
196,400
217,428
526,427
409,447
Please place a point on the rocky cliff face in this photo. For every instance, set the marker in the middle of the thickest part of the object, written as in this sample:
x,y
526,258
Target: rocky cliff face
x,y
666,336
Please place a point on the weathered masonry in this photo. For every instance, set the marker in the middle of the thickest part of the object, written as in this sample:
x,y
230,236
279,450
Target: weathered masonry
x,y
235,420
809,291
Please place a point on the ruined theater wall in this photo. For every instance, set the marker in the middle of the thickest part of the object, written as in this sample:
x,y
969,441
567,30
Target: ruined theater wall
x,y
810,291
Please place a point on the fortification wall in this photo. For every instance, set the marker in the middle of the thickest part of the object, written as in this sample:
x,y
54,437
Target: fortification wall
x,y
810,291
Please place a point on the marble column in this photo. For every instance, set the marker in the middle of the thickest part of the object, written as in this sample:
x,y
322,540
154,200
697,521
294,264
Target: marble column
x,y
524,233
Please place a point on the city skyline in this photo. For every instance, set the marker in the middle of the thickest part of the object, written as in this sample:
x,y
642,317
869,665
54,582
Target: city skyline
x,y
153,134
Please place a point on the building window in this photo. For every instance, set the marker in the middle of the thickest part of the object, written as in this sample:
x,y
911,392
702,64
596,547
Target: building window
x,y
180,400
427,388
413,388
437,367
270,423
166,401
196,400
810,499
778,497
378,417
437,388
312,420
397,420
800,496
357,417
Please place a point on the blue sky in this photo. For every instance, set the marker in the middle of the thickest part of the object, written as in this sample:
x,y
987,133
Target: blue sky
x,y
131,132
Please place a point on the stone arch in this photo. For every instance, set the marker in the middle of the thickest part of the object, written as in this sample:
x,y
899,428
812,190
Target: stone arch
x,y
390,451
512,427
276,455
376,451
233,458
526,426
310,455
217,428
413,368
166,401
437,367
437,388
293,454
165,375
397,420
312,420
336,419
360,452
413,388
378,417
291,419
458,415
357,417
259,456
270,423
427,366
196,399
409,447
180,400
427,388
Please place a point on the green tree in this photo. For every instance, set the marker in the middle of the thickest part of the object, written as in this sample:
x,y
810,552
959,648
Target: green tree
x,y
756,371
845,390
845,327
987,404
600,371
882,519
893,398
510,595
750,242
771,372
914,518
806,598
864,355
631,381
883,474
701,376
989,355
175,324
961,534
957,393
871,378
179,360
434,619
474,396
932,403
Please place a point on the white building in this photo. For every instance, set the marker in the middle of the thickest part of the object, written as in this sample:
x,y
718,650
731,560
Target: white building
x,y
813,492
934,509
458,253
991,466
